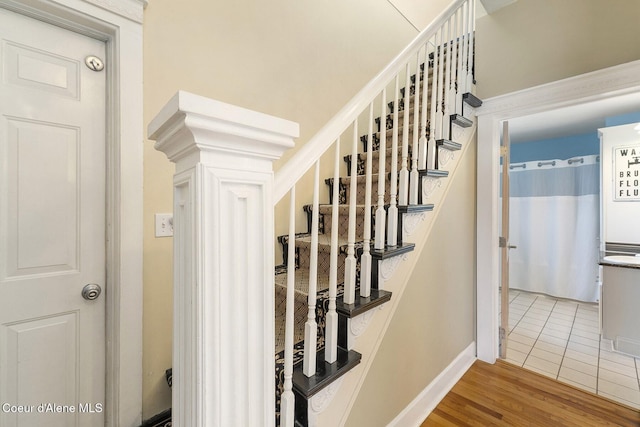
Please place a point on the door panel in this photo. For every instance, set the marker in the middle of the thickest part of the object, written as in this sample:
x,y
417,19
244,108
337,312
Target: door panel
x,y
41,380
31,68
52,225
42,172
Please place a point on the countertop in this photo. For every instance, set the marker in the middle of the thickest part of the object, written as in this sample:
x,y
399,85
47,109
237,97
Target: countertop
x,y
618,261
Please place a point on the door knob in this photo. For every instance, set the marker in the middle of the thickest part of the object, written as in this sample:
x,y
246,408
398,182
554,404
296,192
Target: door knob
x,y
91,291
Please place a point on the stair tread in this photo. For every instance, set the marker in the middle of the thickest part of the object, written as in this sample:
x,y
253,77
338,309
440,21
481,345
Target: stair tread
x,y
425,207
324,209
435,173
389,137
323,240
471,100
374,177
341,206
362,304
391,251
300,314
302,281
448,144
327,208
375,153
401,114
461,120
326,373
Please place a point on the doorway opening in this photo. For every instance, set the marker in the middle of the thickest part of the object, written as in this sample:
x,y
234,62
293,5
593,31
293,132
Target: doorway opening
x,y
533,311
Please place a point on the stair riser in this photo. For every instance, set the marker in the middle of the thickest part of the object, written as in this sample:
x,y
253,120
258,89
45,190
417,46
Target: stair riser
x,y
375,160
303,250
361,191
343,222
389,122
300,313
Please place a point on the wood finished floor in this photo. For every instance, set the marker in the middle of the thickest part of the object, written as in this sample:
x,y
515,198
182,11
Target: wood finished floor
x,y
507,395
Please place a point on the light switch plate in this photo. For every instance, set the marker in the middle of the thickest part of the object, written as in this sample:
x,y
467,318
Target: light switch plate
x,y
164,225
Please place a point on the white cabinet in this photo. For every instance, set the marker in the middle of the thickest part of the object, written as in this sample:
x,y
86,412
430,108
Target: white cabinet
x,y
619,306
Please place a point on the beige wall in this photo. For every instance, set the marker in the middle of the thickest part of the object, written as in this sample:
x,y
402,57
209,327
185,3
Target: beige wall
x,y
435,320
297,60
420,13
533,42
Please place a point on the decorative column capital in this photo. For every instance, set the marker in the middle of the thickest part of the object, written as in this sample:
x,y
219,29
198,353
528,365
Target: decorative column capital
x,y
191,129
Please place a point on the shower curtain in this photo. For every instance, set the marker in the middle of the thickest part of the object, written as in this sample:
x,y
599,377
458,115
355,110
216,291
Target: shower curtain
x,y
554,222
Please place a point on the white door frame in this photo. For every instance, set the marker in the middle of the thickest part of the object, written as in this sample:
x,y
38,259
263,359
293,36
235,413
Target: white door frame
x,y
119,24
602,84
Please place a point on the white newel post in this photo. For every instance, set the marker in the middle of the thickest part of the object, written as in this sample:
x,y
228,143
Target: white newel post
x,y
223,336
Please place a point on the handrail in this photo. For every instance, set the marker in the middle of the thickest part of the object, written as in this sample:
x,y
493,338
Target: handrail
x,y
310,152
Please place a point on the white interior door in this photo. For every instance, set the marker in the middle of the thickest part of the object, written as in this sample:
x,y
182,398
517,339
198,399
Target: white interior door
x,y
52,226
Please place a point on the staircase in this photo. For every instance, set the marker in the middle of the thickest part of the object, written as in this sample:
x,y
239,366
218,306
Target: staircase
x,y
382,157
304,387
396,127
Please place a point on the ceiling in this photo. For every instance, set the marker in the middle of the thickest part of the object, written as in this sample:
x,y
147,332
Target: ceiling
x,y
575,120
489,6
421,13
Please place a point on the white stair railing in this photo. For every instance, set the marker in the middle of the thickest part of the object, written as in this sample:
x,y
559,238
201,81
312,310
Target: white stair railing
x,y
392,215
350,263
381,213
454,66
465,52
331,332
311,326
403,187
287,400
434,122
458,102
365,259
444,55
471,47
413,177
191,128
447,81
424,125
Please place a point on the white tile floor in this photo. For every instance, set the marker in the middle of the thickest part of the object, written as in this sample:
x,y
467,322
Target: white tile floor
x,y
561,339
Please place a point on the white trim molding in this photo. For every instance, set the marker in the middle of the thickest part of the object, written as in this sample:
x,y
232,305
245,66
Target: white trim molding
x,y
223,329
419,409
603,84
130,9
118,24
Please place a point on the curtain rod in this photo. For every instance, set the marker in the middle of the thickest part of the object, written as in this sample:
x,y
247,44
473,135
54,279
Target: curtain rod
x,y
576,160
551,162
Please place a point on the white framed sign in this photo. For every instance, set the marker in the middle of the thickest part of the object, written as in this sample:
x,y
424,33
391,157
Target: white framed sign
x,y
626,166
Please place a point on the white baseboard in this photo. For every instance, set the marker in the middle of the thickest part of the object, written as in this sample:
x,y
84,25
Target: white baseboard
x,y
420,408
